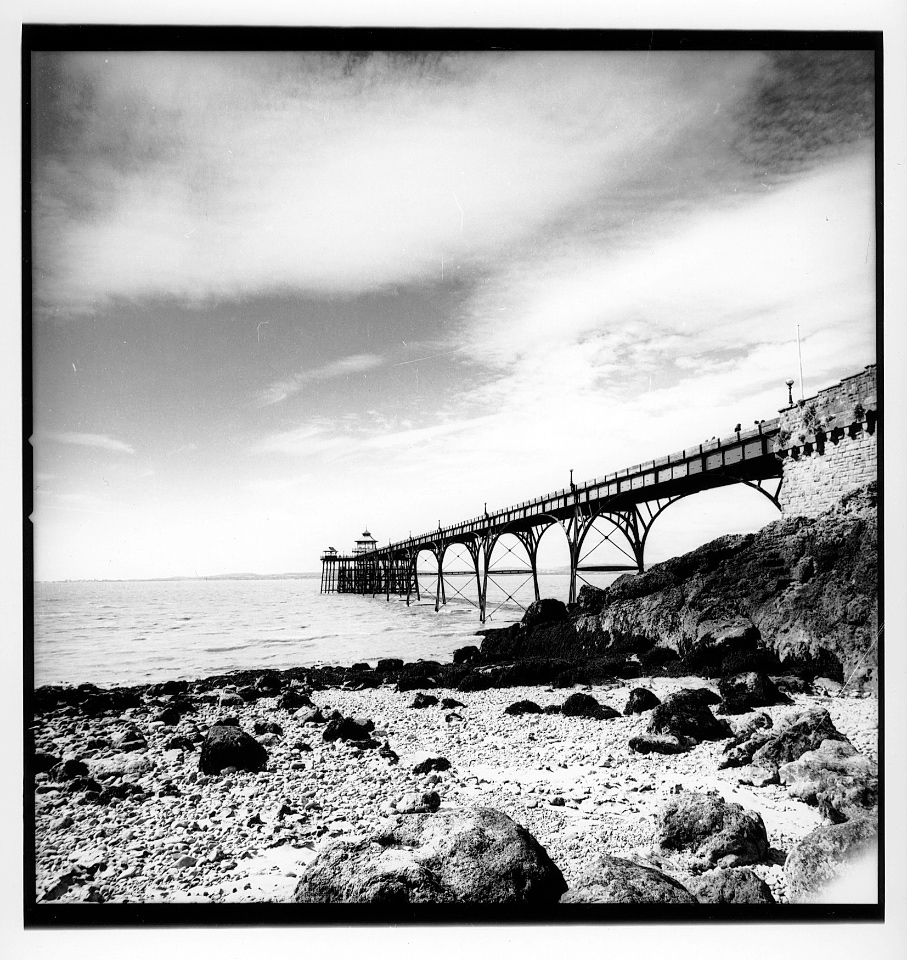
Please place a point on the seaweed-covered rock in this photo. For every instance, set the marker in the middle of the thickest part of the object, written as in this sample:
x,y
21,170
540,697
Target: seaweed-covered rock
x,y
584,705
640,700
347,728
228,746
661,743
712,831
746,691
474,855
544,611
831,853
684,714
615,880
467,654
423,700
522,706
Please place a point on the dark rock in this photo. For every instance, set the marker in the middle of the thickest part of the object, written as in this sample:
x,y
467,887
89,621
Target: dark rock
x,y
42,762
683,714
544,611
661,743
388,754
169,687
179,743
792,684
827,854
260,727
248,694
453,856
522,706
121,791
552,709
558,802
228,746
68,769
313,716
422,700
294,698
268,685
746,691
388,665
231,720
640,700
582,705
712,831
521,673
615,880
407,684
448,703
83,785
432,763
175,711
466,654
346,728
360,667
731,886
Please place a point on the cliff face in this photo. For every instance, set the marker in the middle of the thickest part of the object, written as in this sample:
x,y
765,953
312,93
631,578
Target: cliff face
x,y
804,588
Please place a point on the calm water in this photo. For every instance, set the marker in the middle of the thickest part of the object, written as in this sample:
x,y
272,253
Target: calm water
x,y
147,631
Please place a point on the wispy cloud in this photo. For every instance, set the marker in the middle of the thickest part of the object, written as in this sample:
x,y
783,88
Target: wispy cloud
x,y
99,440
280,390
377,169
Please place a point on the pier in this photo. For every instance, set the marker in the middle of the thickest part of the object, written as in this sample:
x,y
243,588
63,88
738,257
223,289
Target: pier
x,y
825,443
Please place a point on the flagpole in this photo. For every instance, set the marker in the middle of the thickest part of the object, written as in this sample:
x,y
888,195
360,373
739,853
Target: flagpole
x,y
800,358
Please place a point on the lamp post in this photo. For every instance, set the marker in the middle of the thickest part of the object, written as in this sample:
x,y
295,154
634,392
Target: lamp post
x,y
790,392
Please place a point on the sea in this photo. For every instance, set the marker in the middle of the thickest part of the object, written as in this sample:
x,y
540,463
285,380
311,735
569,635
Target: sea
x,y
125,632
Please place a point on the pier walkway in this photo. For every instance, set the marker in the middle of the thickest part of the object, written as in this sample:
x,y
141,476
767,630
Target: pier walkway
x,y
619,509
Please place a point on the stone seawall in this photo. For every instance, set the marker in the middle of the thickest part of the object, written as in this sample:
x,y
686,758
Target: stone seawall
x,y
829,445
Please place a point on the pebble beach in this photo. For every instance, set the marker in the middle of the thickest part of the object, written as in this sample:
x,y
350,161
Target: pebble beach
x,y
173,834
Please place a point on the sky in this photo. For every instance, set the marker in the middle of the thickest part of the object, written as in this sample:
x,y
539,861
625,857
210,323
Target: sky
x,y
282,297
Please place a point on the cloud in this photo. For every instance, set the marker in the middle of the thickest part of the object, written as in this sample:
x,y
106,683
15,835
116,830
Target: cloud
x,y
99,440
280,390
309,172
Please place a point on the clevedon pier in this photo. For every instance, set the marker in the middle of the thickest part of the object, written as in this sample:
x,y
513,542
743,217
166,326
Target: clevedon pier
x,y
801,461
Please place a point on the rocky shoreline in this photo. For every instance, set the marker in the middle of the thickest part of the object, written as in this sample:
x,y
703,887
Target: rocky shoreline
x,y
125,814
705,732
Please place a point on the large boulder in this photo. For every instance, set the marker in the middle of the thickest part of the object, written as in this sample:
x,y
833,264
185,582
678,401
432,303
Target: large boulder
x,y
544,611
474,855
746,691
583,705
466,654
712,831
615,880
684,714
832,853
836,778
799,732
229,746
730,886
772,746
640,700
